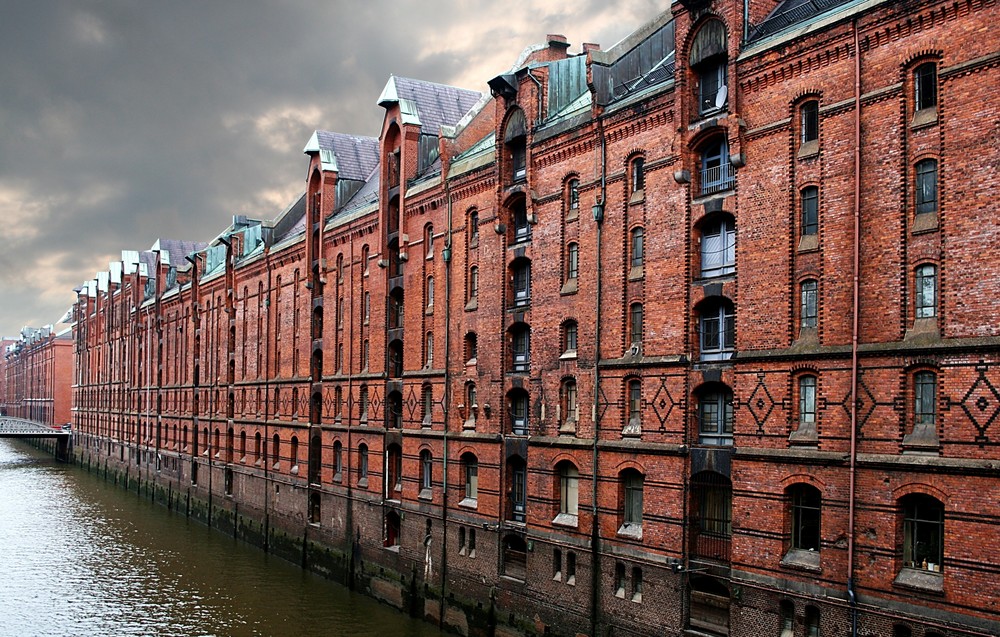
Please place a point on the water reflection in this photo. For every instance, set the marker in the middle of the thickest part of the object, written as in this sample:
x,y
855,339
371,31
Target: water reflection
x,y
83,557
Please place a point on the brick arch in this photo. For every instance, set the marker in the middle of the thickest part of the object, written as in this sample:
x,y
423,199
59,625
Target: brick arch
x,y
804,96
630,464
802,478
918,57
920,488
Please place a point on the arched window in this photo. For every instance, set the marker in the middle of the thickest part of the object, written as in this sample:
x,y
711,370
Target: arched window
x,y
520,270
427,404
923,532
926,291
364,260
716,172
631,484
362,465
429,350
812,621
807,400
515,142
470,474
637,171
569,493
717,327
809,206
926,187
806,505
338,461
471,348
572,260
809,121
573,194
473,228
708,60
394,472
473,283
569,334
520,335
925,86
518,402
715,415
718,247
635,323
809,304
517,489
426,473
638,252
568,405
429,241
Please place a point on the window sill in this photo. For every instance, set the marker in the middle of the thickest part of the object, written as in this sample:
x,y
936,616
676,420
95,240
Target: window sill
x,y
363,483
393,549
638,196
916,579
630,530
633,429
924,222
426,494
805,435
566,519
808,149
568,355
803,560
573,214
635,273
429,310
473,304
469,503
924,117
808,243
570,287
922,440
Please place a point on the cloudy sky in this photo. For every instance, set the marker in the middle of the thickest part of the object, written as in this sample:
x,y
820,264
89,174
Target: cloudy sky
x,y
126,120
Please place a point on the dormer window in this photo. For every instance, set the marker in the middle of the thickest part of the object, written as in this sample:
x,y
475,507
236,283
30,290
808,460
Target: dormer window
x,y
709,62
515,140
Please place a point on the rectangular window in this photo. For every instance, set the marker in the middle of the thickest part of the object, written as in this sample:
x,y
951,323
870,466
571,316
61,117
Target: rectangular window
x,y
569,491
810,121
807,399
810,210
472,480
638,254
809,307
635,328
925,397
926,288
926,187
573,261
925,86
638,174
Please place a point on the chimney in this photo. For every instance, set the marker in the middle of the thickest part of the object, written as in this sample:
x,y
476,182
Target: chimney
x,y
590,46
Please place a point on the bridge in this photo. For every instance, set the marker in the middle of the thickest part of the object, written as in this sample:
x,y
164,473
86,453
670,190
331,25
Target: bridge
x,y
11,427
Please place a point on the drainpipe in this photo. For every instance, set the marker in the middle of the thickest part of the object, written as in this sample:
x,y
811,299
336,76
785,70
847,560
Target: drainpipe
x,y
595,532
855,319
267,401
446,256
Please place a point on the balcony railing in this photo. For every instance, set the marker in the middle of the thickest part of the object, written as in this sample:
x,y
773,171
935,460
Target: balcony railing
x,y
717,178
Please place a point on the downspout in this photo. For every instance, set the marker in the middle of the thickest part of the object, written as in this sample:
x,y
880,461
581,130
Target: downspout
x,y
446,255
855,320
267,400
595,532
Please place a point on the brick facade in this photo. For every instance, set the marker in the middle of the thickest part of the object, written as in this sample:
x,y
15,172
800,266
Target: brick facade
x,y
38,376
577,356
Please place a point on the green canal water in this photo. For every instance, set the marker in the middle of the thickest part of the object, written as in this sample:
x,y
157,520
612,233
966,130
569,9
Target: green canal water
x,y
82,557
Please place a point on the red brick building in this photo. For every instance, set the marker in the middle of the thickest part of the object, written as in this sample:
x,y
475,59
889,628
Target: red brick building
x,y
698,333
38,376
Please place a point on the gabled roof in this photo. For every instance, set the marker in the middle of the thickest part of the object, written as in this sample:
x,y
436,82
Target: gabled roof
x,y
352,156
366,196
176,250
428,104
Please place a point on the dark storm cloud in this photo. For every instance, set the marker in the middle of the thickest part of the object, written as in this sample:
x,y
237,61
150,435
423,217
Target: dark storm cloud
x,y
124,121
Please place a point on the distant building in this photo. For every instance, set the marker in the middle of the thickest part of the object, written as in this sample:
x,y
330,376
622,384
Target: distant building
x,y
38,374
695,335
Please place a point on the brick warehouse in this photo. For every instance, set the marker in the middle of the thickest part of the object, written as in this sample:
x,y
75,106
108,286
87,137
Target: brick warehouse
x,y
37,371
577,355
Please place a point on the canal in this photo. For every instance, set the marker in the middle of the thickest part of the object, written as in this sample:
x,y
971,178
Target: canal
x,y
82,557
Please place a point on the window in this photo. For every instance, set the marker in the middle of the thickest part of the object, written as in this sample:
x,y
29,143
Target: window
x,y
572,260
807,400
569,403
473,228
569,492
631,493
521,271
716,171
812,621
363,401
338,461
556,565
636,584
519,218
573,194
809,121
365,354
786,618
473,283
427,405
926,288
638,182
809,205
806,504
718,248
571,568
619,579
715,415
569,337
429,353
426,473
429,241
708,62
712,91
363,465
925,195
718,330
394,471
470,467
520,348
471,348
638,252
517,489
364,260
635,323
519,412
430,294
809,310
367,307
925,86
923,532
924,399
634,407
